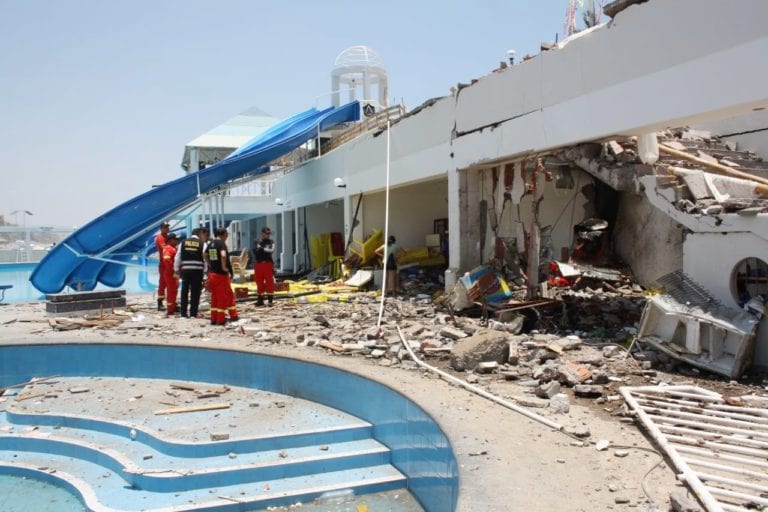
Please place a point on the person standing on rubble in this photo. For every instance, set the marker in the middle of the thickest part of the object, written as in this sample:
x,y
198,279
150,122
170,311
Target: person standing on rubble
x,y
393,252
264,268
171,279
219,284
160,241
190,266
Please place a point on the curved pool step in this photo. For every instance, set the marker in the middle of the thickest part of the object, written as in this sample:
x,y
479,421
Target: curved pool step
x,y
87,428
141,461
104,491
168,474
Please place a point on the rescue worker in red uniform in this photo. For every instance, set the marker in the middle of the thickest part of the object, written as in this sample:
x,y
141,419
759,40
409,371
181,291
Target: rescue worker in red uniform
x,y
264,269
160,241
219,284
171,278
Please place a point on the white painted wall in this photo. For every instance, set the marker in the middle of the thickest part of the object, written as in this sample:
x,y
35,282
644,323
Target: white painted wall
x,y
325,220
420,149
710,258
413,210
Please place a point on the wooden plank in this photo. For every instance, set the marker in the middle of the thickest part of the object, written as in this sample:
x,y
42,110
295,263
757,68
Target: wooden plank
x,y
330,346
197,408
181,385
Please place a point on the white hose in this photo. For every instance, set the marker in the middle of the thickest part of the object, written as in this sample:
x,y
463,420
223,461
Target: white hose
x,y
477,390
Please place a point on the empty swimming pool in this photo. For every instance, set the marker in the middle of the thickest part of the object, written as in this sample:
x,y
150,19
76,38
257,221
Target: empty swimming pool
x,y
340,433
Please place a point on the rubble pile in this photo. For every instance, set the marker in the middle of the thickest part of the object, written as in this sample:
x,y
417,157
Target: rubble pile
x,y
599,308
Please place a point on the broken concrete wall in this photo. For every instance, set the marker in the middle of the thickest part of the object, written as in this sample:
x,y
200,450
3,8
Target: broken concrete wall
x,y
750,131
542,103
647,239
559,209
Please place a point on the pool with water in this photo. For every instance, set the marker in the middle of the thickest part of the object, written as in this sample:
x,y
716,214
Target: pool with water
x,y
137,280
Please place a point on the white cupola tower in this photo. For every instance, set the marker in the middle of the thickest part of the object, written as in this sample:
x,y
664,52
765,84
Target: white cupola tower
x,y
355,67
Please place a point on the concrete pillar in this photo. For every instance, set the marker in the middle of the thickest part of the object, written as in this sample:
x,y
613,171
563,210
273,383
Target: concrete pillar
x,y
299,259
348,213
456,198
287,263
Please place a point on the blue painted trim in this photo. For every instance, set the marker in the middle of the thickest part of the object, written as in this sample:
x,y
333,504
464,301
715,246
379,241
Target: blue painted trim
x,y
420,450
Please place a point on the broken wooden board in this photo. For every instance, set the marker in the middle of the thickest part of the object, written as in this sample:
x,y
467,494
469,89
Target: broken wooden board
x,y
196,408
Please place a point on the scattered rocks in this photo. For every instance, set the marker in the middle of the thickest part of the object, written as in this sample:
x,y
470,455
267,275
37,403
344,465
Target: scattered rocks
x,y
559,404
680,502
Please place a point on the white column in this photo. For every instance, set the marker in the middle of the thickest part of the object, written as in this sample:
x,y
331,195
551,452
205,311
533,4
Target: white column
x,y
298,254
366,86
455,198
286,243
348,212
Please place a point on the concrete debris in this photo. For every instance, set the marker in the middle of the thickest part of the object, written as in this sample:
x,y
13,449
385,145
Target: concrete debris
x,y
560,404
602,445
485,345
680,502
578,431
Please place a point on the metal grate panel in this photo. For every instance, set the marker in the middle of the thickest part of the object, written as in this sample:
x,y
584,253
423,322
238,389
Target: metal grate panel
x,y
686,291
719,446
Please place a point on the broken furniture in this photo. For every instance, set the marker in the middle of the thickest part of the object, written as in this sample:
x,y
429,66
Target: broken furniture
x,y
240,264
3,288
690,326
367,250
78,302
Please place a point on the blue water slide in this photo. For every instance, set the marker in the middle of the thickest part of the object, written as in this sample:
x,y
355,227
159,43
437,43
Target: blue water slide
x,y
96,252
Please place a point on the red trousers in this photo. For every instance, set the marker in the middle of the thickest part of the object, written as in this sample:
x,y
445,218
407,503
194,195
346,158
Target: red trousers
x,y
222,298
264,275
172,289
161,284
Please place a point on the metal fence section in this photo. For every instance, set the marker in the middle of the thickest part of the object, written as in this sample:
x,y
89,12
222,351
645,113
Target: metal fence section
x,y
718,445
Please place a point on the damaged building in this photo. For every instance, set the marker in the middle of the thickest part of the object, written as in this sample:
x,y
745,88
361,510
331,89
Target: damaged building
x,y
595,162
569,157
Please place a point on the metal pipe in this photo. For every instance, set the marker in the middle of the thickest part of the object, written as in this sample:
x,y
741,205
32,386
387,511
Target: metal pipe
x,y
708,426
450,378
726,422
721,456
729,469
717,446
739,495
712,436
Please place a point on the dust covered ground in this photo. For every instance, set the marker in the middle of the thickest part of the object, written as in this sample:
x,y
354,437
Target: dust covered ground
x,y
506,461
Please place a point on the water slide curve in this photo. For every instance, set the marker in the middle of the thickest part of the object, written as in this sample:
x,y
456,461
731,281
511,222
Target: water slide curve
x,y
93,254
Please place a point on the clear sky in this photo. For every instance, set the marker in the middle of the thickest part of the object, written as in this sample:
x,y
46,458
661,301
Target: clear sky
x,y
98,98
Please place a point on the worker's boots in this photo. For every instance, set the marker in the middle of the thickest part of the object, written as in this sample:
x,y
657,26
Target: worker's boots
x,y
269,299
260,300
160,306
